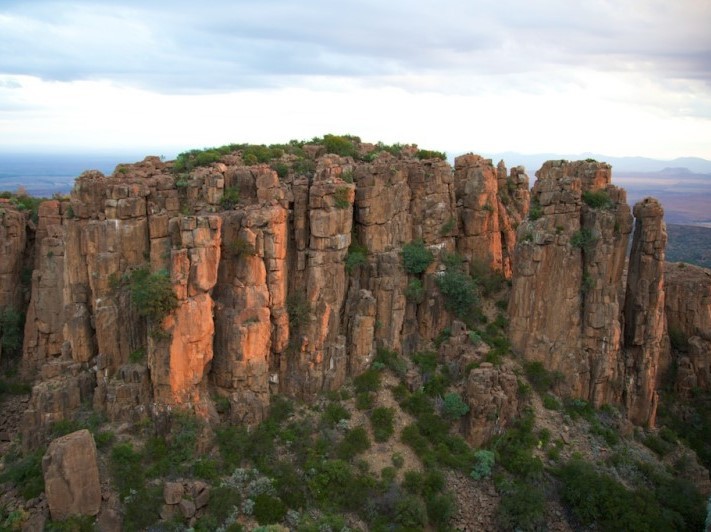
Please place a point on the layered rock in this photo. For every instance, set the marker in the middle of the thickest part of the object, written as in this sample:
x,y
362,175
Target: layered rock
x,y
476,183
514,198
71,476
43,338
645,321
318,360
250,315
688,312
568,295
13,239
178,364
13,244
492,396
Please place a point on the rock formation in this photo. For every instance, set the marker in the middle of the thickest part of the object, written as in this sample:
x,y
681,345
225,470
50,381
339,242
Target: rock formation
x,y
645,322
288,277
568,294
71,476
13,247
688,312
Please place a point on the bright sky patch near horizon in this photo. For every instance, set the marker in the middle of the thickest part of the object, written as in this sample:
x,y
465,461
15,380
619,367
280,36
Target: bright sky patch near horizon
x,y
622,78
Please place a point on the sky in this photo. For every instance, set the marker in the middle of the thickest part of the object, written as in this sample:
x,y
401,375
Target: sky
x,y
623,78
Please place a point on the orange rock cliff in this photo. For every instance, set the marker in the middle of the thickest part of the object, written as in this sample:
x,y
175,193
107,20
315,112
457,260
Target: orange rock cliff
x,y
287,277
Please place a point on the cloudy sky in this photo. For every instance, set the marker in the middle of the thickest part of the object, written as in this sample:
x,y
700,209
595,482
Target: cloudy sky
x,y
623,77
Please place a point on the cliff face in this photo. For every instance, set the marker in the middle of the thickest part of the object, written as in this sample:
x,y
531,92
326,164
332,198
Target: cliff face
x,y
288,278
688,311
279,284
570,307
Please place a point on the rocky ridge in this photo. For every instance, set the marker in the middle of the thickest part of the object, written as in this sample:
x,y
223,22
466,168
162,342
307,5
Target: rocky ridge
x,y
287,278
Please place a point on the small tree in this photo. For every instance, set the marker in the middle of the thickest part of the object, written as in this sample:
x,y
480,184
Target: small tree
x,y
152,293
416,257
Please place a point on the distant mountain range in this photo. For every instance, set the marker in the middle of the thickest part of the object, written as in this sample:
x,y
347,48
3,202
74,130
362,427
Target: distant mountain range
x,y
533,162
44,174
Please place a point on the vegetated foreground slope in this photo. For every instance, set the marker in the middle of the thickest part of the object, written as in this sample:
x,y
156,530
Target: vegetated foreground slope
x,y
318,335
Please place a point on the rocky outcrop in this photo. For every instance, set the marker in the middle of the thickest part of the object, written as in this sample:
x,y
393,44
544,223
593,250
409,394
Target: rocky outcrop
x,y
71,476
570,308
178,363
319,358
645,323
13,244
688,313
43,338
250,314
13,239
492,396
288,277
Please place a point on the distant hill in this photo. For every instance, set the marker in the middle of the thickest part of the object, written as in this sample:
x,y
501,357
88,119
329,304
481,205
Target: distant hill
x,y
533,162
690,244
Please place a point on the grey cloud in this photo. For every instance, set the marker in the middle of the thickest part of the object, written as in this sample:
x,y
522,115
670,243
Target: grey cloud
x,y
186,46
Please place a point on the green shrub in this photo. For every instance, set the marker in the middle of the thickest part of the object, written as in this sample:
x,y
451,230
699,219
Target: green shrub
x,y
596,498
152,293
223,499
484,464
299,310
368,381
540,378
354,442
398,460
431,154
418,403
535,211
679,340
426,361
138,356
597,199
126,469
340,197
440,509
522,506
239,247
282,169
333,413
343,145
576,408
410,513
413,482
460,294
75,523
583,239
415,291
268,509
658,445
416,257
357,256
454,407
141,509
364,401
382,420
25,473
230,198
391,360
550,402
447,227
12,325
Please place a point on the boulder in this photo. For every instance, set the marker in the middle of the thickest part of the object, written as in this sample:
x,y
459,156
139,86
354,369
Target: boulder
x,y
71,476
